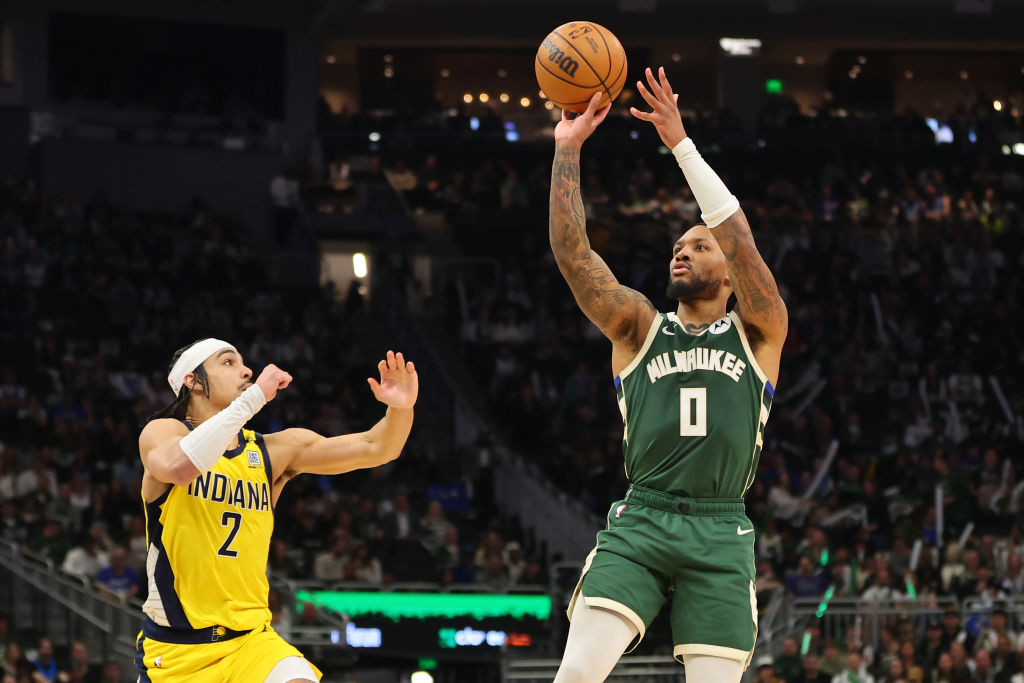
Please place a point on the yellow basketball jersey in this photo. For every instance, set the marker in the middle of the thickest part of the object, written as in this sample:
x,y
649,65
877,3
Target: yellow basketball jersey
x,y
208,544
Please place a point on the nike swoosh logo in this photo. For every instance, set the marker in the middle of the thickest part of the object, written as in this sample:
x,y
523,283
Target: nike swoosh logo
x,y
743,532
668,331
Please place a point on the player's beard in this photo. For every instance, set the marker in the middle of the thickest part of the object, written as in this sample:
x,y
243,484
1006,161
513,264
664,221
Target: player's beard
x,y
694,287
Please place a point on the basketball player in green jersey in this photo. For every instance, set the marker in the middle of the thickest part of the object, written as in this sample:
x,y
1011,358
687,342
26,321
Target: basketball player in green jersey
x,y
694,387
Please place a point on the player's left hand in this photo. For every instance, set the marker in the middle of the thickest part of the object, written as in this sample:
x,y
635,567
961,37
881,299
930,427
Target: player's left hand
x,y
399,384
664,103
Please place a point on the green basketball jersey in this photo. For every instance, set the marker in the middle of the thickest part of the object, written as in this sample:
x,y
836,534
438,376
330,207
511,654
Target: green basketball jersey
x,y
694,409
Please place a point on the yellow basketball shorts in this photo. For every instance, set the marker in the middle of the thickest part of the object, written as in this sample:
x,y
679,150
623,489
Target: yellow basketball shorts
x,y
219,656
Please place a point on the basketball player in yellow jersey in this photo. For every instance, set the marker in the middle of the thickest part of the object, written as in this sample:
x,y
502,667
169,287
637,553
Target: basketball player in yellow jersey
x,y
209,489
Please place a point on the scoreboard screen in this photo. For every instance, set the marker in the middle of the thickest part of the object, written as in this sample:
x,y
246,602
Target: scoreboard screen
x,y
443,625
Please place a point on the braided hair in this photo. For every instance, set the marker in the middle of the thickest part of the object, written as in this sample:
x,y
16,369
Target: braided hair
x,y
179,407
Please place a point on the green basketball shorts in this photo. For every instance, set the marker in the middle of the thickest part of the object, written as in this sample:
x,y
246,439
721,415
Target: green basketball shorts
x,y
696,552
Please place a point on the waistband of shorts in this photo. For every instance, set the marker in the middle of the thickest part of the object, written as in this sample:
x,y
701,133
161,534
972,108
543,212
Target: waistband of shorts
x,y
188,636
685,506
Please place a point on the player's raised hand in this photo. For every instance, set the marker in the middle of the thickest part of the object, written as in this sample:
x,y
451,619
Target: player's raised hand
x,y
576,130
272,380
664,112
399,384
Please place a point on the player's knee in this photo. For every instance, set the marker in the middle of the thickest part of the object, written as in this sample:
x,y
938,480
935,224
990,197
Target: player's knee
x,y
572,673
292,670
711,669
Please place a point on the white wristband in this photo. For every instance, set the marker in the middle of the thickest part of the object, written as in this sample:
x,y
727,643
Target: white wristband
x,y
713,197
205,444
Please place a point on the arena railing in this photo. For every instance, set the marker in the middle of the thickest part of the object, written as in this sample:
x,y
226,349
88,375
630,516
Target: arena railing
x,y
42,600
841,618
638,669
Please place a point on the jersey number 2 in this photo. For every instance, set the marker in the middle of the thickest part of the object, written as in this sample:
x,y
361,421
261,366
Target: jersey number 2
x,y
693,411
235,520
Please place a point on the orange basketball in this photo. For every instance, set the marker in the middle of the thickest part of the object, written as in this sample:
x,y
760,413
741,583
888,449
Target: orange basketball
x,y
577,60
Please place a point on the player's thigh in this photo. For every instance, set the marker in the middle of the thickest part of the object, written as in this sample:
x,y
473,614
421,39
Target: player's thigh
x,y
257,657
714,611
159,662
622,585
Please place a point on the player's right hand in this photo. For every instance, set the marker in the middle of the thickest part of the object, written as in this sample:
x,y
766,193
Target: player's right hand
x,y
272,380
664,112
575,131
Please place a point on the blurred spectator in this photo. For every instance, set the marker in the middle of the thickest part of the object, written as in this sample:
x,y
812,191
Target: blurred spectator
x,y
400,522
514,561
13,662
766,671
79,669
811,672
854,671
111,672
44,663
85,560
280,561
788,664
435,526
832,662
451,492
330,565
806,581
495,574
363,566
52,544
118,580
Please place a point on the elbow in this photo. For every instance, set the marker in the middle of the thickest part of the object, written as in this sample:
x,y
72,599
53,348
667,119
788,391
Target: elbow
x,y
180,470
184,473
384,456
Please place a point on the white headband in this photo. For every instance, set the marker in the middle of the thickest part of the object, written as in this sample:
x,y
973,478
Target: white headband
x,y
192,358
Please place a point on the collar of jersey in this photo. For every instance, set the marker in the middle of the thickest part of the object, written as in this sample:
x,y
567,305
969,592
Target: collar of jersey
x,y
675,318
234,451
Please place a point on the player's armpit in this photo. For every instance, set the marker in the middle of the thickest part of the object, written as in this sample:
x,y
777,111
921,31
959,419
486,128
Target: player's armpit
x,y
161,453
760,305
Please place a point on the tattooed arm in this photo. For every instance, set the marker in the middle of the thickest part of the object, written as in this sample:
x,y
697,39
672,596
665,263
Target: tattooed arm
x,y
622,314
761,308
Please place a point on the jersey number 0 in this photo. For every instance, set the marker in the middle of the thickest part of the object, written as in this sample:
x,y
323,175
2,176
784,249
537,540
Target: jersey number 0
x,y
693,411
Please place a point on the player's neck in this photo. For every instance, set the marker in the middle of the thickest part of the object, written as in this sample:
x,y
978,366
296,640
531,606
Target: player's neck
x,y
199,411
697,315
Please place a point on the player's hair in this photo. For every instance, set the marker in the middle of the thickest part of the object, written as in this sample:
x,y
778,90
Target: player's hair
x,y
179,407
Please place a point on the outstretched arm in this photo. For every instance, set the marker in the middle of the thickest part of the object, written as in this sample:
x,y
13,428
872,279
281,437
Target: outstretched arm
x,y
760,306
297,451
622,314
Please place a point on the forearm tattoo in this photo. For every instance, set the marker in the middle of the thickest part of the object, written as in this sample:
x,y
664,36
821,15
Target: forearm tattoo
x,y
610,305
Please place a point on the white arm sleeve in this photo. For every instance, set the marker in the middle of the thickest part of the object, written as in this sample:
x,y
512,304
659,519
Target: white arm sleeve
x,y
713,197
205,444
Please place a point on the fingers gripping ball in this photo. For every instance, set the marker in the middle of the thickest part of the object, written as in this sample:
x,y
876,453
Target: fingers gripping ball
x,y
578,59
